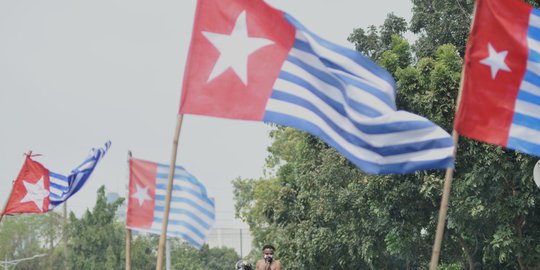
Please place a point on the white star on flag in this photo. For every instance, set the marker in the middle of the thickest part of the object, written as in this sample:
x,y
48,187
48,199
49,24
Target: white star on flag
x,y
495,60
141,194
35,193
235,48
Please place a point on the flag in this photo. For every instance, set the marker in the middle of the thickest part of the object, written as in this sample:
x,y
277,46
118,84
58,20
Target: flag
x,y
30,191
250,61
191,214
63,187
500,101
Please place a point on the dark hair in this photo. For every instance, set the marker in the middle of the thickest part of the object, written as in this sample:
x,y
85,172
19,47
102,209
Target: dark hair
x,y
268,246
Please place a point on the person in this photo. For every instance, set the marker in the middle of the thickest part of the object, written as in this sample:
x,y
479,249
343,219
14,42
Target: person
x,y
268,262
243,265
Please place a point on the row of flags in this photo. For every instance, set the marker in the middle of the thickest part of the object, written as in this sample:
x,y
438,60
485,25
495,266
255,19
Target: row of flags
x,y
250,61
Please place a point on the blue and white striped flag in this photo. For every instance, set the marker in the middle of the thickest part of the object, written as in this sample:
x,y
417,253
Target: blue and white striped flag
x,y
250,61
192,212
62,187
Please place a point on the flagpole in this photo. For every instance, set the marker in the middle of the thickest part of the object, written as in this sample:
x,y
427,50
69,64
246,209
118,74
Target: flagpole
x,y
163,237
443,208
448,178
128,230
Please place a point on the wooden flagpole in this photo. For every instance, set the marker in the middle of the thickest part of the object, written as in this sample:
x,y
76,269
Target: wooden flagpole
x,y
128,231
444,207
448,178
163,236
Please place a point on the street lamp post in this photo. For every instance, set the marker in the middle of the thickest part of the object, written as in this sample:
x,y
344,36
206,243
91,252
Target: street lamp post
x,y
15,262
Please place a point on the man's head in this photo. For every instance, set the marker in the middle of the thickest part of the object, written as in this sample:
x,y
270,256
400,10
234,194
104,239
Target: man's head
x,y
268,253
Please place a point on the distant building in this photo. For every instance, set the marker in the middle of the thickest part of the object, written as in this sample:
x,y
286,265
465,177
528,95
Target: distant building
x,y
237,238
122,209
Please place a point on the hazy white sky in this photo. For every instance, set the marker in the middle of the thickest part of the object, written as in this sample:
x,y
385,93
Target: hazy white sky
x,y
74,74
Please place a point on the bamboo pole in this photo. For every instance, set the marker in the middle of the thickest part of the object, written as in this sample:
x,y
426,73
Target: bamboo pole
x,y
443,209
163,236
448,178
128,231
64,236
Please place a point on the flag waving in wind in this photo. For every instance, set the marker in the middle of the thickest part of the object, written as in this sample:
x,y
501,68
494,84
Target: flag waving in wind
x,y
30,193
250,61
500,101
192,212
63,187
38,190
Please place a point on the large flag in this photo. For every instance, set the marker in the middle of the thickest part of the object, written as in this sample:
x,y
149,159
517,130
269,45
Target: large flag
x,y
191,214
30,191
500,101
250,61
63,187
37,189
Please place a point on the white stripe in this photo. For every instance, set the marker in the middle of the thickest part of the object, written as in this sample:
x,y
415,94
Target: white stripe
x,y
525,134
534,45
533,67
183,218
181,183
60,182
165,170
300,112
156,228
186,206
347,64
345,123
335,94
534,20
530,88
527,108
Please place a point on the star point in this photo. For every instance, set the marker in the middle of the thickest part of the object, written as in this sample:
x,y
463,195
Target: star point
x,y
495,61
235,49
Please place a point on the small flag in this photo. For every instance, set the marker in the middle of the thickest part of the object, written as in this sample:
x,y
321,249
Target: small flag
x,y
250,61
63,187
38,190
30,192
192,212
500,101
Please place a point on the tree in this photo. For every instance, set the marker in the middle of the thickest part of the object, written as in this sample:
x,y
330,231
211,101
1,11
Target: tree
x,y
96,241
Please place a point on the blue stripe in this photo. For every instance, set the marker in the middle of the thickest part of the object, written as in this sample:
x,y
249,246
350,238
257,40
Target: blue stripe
x,y
351,54
367,88
78,177
191,191
184,212
181,223
526,121
367,166
523,146
189,179
534,56
339,107
287,76
187,201
534,32
528,97
383,150
305,47
531,77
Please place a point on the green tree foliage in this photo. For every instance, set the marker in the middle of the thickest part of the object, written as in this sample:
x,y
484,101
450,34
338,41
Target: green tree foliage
x,y
24,236
322,213
186,257
97,241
